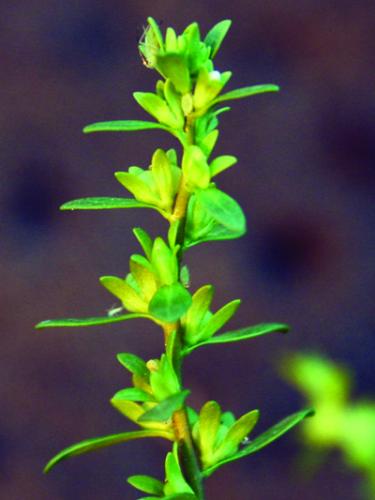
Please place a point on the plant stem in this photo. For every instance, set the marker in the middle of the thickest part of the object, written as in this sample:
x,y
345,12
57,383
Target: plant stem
x,y
189,461
188,456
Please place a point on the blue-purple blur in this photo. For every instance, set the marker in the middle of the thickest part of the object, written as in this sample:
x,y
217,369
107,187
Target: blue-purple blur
x,y
305,177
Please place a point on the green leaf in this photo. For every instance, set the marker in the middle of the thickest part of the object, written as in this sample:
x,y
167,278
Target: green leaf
x,y
164,262
195,168
139,188
221,163
235,435
170,302
164,380
224,209
103,203
156,30
209,423
175,481
207,144
101,442
134,364
264,439
174,67
213,215
133,394
122,126
164,410
247,92
158,108
241,334
201,302
144,240
146,484
72,322
181,496
219,319
125,292
216,35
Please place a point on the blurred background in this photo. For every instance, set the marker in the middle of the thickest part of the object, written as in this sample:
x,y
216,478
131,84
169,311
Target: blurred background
x,y
305,179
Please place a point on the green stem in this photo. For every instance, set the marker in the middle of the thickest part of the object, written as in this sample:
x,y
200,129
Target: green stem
x,y
188,456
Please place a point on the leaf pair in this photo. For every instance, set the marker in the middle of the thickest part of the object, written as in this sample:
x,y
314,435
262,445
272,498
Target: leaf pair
x,y
152,287
216,439
199,323
157,186
262,440
156,394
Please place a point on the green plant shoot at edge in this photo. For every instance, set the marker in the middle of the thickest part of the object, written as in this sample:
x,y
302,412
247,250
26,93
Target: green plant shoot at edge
x,y
181,186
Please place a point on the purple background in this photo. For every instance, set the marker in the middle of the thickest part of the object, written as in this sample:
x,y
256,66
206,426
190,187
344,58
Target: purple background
x,y
305,178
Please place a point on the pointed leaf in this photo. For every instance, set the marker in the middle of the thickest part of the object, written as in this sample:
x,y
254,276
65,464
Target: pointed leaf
x,y
103,203
175,481
146,484
207,144
241,334
144,240
219,319
158,108
164,410
122,126
209,423
221,163
139,188
264,439
73,322
133,363
102,442
133,394
236,434
247,92
156,30
123,291
201,302
170,302
216,35
164,380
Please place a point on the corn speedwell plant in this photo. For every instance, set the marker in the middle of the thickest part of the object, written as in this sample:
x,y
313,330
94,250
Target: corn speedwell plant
x,y
181,186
